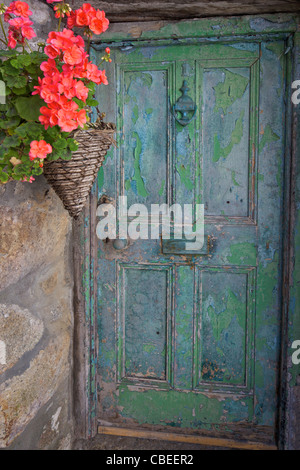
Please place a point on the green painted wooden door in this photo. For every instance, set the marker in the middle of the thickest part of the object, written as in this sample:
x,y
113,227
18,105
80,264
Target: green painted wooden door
x,y
193,342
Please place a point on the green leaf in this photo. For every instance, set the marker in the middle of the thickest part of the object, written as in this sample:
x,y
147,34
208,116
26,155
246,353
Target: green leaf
x,y
38,57
52,133
37,171
72,145
11,141
3,176
18,81
92,87
11,111
91,102
21,61
60,144
21,169
9,53
53,156
80,103
31,130
2,153
9,69
29,108
13,122
65,155
20,91
34,69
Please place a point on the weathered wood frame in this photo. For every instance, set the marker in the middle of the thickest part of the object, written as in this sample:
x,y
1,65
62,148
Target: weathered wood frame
x,y
170,10
85,242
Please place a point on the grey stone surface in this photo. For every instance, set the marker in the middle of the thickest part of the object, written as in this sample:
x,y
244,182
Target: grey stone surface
x,y
35,317
20,331
36,313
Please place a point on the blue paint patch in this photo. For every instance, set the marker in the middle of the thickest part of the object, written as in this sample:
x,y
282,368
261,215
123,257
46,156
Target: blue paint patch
x,y
261,24
134,187
251,47
148,52
266,255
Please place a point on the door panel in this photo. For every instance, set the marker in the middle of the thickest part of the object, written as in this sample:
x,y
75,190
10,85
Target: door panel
x,y
192,341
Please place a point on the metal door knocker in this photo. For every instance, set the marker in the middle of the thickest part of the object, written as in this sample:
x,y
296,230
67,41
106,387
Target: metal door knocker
x,y
185,106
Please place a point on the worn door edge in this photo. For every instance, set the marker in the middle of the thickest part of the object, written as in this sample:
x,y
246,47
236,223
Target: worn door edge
x,y
85,352
289,373
85,253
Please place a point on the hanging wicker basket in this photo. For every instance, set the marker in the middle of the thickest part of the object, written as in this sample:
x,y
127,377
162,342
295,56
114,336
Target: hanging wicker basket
x,y
73,179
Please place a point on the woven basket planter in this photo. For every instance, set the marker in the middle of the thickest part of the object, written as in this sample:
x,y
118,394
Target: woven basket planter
x,y
73,179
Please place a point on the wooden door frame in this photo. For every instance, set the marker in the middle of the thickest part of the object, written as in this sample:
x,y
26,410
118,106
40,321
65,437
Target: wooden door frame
x,y
85,353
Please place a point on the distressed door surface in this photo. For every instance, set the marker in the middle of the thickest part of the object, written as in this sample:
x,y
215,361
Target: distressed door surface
x,y
193,342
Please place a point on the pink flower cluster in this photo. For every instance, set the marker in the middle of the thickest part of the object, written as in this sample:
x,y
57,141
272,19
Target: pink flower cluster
x,y
67,73
30,180
58,89
87,16
17,16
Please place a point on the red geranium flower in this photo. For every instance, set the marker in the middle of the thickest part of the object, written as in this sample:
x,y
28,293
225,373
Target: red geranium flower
x,y
17,8
39,149
99,23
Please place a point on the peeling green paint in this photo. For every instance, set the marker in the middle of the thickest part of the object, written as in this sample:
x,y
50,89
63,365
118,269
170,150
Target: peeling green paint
x,y
144,76
232,89
265,288
149,347
233,178
135,112
137,171
268,137
127,184
194,410
184,173
236,137
221,315
210,28
162,188
276,48
101,178
260,177
242,252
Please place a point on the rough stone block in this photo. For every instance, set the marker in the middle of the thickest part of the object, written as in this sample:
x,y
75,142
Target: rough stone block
x,y
20,331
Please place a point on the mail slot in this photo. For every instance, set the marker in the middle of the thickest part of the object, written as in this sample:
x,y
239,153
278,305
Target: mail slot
x,y
179,247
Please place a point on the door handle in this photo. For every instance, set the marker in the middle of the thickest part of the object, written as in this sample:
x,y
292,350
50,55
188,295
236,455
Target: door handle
x,y
120,243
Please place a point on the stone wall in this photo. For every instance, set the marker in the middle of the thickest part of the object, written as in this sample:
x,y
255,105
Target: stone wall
x,y
36,317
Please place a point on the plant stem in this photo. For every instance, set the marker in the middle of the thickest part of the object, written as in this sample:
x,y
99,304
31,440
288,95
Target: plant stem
x,y
27,44
3,30
59,21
